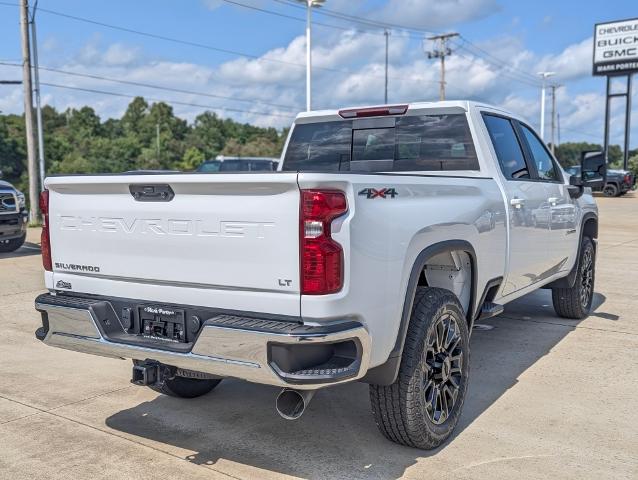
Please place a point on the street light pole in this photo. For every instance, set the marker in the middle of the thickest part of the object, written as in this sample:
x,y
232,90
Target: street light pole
x,y
309,56
386,32
544,76
309,5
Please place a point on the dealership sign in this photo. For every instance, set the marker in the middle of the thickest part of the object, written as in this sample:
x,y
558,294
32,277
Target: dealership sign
x,y
616,47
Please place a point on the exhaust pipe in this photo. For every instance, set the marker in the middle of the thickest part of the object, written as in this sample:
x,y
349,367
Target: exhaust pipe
x,y
292,403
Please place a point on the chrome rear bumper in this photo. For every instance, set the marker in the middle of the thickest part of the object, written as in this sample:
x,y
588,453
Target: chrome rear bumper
x,y
226,351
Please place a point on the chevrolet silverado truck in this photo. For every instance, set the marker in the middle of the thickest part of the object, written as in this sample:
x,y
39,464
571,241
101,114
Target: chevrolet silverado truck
x,y
368,256
13,217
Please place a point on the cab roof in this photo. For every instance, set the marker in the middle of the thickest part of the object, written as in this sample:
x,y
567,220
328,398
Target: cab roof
x,y
446,106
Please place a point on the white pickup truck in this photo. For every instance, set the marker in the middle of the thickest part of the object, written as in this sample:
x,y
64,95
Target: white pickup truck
x,y
385,234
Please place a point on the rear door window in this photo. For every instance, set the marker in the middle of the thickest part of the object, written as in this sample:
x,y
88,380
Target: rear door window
x,y
507,147
414,143
434,142
319,146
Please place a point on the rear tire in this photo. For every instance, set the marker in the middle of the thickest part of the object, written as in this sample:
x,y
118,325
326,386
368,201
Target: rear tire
x,y
183,387
7,246
610,190
422,407
575,302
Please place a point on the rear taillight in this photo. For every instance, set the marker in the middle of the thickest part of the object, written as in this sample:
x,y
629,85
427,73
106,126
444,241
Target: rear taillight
x,y
45,239
627,178
321,257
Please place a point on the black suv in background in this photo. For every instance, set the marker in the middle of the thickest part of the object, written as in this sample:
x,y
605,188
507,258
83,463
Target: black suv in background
x,y
13,218
618,182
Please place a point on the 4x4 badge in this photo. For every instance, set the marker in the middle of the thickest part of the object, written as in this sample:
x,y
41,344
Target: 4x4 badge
x,y
381,193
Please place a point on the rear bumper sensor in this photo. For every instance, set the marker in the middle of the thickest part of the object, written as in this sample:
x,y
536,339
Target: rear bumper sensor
x,y
268,351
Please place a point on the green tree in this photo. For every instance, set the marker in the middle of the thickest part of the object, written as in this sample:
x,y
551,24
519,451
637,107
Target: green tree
x,y
192,159
207,134
83,122
134,115
78,141
12,152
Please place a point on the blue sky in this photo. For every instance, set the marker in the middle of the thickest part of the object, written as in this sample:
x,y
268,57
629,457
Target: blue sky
x,y
521,38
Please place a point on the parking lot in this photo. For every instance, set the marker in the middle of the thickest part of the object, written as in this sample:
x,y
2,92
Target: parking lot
x,y
549,397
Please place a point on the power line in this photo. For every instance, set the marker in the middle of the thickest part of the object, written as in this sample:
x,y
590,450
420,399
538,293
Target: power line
x,y
414,33
591,135
291,17
503,73
173,102
511,71
157,87
498,60
197,44
359,20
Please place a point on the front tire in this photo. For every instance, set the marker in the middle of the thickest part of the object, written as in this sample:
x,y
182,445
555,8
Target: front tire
x,y
575,302
422,407
7,246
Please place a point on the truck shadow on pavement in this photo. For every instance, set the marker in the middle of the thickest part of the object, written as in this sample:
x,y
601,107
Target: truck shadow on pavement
x,y
337,438
25,250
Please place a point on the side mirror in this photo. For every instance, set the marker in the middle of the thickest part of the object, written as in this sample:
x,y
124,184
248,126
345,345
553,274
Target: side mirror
x,y
593,169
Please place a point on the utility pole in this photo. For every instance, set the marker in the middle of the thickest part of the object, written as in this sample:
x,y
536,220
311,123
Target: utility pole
x,y
386,32
38,103
558,121
544,76
441,52
554,87
157,131
28,111
309,5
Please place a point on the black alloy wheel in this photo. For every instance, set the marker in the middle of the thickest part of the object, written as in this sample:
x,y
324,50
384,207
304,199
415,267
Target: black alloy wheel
x,y
444,358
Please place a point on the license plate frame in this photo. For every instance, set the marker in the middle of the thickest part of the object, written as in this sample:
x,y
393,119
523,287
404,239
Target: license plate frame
x,y
162,322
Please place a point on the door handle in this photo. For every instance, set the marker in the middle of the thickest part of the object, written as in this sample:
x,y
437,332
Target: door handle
x,y
553,200
517,202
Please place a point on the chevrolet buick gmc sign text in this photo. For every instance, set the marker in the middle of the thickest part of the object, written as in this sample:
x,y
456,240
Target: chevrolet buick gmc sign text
x,y
616,47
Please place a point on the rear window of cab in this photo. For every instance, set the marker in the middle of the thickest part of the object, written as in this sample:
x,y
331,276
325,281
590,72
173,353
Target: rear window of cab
x,y
413,143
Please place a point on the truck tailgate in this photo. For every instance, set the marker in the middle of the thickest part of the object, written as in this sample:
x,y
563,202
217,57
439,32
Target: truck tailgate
x,y
219,233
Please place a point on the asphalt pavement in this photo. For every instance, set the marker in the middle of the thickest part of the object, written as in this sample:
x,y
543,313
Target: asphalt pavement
x,y
548,398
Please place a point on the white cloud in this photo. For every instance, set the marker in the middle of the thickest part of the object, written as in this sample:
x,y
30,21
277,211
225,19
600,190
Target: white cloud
x,y
119,54
573,62
434,13
11,100
349,70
